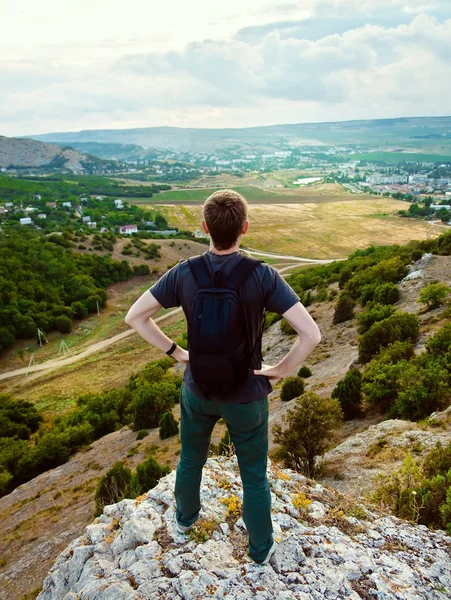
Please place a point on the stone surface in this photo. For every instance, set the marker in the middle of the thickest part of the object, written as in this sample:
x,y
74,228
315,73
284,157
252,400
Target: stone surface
x,y
134,552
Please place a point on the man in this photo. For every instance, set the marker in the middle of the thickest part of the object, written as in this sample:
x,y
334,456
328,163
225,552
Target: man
x,y
246,409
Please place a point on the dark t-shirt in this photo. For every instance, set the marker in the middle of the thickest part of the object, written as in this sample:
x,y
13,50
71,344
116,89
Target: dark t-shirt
x,y
264,290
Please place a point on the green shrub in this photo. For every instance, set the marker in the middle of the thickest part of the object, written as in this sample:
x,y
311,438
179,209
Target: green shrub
x,y
344,309
292,387
400,326
63,324
308,430
434,294
271,318
79,309
386,294
321,295
421,390
152,400
225,446
418,493
146,477
287,328
304,372
168,426
372,314
142,433
111,487
348,392
439,345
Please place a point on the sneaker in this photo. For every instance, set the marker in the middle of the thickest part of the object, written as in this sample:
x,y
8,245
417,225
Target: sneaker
x,y
270,553
180,528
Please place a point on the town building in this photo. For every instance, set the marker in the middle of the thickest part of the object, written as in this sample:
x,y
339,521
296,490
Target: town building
x,y
26,221
92,224
128,229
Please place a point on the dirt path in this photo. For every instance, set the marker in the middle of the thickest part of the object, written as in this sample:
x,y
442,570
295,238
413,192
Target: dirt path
x,y
96,347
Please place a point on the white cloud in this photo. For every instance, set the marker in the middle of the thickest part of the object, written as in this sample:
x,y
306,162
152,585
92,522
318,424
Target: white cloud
x,y
357,61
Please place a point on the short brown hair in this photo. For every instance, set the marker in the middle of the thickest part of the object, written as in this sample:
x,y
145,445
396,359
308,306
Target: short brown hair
x,y
225,213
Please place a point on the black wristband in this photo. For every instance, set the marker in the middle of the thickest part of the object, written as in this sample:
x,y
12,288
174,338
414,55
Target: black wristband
x,y
171,349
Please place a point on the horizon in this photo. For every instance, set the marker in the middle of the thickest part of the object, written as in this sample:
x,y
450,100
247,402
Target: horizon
x,y
231,128
252,64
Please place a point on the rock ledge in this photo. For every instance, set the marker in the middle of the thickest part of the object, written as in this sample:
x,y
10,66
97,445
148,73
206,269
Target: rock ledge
x,y
330,547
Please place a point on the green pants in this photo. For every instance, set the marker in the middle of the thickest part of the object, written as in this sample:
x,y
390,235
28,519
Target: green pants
x,y
248,428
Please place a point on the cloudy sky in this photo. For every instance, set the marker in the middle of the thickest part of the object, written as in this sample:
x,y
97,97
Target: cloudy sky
x,y
91,64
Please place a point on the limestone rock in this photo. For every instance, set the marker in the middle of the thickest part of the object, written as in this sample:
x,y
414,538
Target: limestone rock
x,y
134,552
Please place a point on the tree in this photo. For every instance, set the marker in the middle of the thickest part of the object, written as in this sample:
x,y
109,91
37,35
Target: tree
x,y
433,295
344,309
160,222
348,393
111,487
309,427
292,387
168,426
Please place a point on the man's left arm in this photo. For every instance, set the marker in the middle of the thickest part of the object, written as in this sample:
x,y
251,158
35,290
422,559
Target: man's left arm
x,y
139,317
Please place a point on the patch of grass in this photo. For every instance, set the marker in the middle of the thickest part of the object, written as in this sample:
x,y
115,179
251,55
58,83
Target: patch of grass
x,y
203,530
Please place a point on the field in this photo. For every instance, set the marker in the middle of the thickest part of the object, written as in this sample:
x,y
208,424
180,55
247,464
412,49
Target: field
x,y
318,229
265,191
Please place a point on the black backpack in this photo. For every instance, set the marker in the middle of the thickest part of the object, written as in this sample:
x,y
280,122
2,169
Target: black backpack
x,y
219,344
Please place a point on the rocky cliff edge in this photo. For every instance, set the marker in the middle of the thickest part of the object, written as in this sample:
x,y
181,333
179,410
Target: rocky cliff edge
x,y
331,547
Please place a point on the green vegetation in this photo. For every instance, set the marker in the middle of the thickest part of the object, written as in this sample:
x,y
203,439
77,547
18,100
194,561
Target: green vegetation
x,y
95,415
304,372
119,483
434,294
168,425
421,494
348,392
399,326
292,387
309,427
271,318
344,309
43,280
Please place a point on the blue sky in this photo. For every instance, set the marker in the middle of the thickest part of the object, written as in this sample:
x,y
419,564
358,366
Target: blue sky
x,y
113,64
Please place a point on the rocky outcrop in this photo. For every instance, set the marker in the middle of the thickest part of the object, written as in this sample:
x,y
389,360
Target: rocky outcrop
x,y
330,547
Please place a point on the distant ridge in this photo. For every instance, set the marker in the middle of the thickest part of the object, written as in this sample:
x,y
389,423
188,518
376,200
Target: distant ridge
x,y
378,131
22,153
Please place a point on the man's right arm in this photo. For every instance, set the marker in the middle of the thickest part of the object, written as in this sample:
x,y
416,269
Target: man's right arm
x,y
309,336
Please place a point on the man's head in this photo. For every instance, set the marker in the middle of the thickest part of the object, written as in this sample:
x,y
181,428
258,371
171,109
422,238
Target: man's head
x,y
225,217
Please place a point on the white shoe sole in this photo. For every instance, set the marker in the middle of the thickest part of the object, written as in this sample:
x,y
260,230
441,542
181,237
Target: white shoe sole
x,y
271,552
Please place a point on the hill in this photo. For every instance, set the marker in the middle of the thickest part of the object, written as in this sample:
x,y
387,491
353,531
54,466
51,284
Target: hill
x,y
21,153
408,132
330,547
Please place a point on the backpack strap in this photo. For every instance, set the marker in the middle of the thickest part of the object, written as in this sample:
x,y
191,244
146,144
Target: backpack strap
x,y
200,271
241,271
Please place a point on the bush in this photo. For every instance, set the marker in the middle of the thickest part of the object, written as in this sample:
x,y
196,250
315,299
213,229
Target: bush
x,y
421,391
418,493
63,324
386,294
304,372
142,433
372,314
440,344
344,309
79,309
348,393
292,387
309,427
433,295
146,477
151,401
225,446
111,487
168,426
400,326
271,318
287,328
